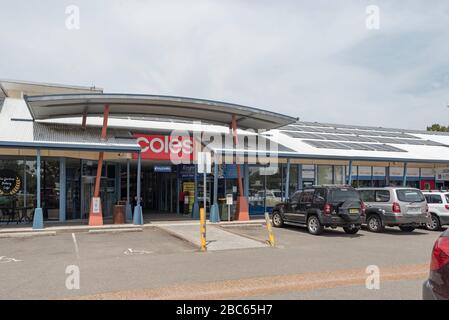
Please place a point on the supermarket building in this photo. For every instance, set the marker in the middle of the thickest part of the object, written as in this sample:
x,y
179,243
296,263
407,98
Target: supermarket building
x,y
73,153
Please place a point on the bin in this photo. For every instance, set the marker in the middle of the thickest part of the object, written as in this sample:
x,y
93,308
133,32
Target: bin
x,y
119,215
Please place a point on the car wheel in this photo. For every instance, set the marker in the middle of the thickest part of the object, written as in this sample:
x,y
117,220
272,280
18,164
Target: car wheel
x,y
314,225
351,230
375,224
434,223
277,220
407,229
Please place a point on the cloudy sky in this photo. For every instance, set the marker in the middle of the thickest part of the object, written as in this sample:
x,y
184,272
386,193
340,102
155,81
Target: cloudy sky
x,y
312,59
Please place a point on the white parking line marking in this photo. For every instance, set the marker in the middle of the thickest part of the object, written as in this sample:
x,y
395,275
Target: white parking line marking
x,y
132,251
76,246
4,259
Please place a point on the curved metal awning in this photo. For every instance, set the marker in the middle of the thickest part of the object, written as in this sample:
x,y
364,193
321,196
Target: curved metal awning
x,y
75,105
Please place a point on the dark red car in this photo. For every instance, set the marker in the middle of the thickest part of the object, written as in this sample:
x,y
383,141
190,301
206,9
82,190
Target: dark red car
x,y
437,286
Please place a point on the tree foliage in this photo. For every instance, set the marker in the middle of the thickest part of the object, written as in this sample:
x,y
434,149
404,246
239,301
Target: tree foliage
x,y
437,127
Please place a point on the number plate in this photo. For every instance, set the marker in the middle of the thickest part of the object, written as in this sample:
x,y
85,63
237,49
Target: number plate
x,y
414,210
353,211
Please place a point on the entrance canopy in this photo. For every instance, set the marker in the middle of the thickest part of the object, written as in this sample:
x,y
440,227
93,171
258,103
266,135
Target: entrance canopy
x,y
135,105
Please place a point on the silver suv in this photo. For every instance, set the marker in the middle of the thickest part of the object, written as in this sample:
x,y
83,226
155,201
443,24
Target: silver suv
x,y
405,208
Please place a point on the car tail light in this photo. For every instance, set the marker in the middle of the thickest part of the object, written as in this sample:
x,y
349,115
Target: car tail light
x,y
396,207
440,254
446,206
327,208
363,206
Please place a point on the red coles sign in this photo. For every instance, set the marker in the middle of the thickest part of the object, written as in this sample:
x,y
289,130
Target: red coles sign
x,y
159,147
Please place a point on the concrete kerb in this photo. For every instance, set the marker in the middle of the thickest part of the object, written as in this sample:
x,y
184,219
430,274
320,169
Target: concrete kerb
x,y
53,230
27,234
10,232
224,227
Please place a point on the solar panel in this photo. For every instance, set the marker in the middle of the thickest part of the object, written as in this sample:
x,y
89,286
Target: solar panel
x,y
352,146
354,138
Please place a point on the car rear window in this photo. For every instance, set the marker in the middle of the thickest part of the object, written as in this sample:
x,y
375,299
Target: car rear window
x,y
410,195
343,194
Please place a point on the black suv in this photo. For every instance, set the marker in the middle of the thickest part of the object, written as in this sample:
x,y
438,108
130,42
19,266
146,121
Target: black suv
x,y
320,207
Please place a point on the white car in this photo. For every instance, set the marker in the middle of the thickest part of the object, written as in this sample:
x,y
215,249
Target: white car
x,y
438,208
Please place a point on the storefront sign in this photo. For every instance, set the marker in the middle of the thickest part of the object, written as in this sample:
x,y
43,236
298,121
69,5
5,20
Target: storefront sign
x,y
230,171
166,169
10,183
160,147
186,171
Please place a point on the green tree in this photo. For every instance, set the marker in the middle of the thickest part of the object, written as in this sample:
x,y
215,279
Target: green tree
x,y
437,127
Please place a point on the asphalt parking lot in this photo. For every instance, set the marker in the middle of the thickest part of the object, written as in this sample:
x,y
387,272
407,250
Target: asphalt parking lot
x,y
33,268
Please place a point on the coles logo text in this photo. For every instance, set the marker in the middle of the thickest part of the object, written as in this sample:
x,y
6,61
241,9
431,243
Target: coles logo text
x,y
159,147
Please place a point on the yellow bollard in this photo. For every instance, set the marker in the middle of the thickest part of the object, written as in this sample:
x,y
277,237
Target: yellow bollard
x,y
269,229
203,229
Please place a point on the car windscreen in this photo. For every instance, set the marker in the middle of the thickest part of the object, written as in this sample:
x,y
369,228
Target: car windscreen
x,y
410,195
343,194
277,194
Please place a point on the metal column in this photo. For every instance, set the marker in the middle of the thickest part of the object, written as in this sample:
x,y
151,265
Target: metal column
x,y
195,208
404,178
138,214
214,211
350,173
287,181
62,189
129,211
38,219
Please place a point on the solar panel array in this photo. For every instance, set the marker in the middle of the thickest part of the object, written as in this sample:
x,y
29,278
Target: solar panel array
x,y
358,138
352,146
294,127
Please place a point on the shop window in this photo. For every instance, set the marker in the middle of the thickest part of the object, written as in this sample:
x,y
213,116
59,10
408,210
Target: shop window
x,y
325,175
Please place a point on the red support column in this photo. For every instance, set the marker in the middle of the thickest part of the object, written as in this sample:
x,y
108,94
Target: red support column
x,y
95,210
242,208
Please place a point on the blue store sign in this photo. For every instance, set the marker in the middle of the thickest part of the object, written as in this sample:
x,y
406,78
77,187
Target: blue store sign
x,y
230,171
166,169
186,171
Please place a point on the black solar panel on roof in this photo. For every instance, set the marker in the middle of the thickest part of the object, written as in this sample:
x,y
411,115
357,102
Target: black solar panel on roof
x,y
354,138
352,146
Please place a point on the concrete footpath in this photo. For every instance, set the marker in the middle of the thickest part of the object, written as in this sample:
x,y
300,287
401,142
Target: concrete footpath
x,y
217,238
